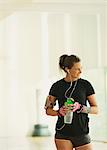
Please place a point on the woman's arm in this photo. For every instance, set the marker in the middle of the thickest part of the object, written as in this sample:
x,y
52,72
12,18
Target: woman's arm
x,y
92,109
93,104
49,105
51,112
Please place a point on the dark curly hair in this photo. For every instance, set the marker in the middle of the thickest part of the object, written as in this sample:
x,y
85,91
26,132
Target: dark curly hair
x,y
67,61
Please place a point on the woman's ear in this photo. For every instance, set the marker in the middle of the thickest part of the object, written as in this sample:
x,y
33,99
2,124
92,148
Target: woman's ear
x,y
67,70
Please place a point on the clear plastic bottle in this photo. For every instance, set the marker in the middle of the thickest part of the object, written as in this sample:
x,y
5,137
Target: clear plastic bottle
x,y
69,115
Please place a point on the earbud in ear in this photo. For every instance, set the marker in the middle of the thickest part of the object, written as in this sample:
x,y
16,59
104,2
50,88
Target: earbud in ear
x,y
68,71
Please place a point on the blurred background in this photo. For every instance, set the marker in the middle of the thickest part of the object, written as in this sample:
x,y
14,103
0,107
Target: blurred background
x,y
33,34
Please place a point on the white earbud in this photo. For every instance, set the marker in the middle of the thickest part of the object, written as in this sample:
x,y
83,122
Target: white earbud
x,y
68,71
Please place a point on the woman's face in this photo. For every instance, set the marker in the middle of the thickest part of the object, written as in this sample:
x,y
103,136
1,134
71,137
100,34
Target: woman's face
x,y
76,70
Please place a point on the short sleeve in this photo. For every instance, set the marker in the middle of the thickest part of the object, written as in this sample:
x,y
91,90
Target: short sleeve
x,y
53,90
89,89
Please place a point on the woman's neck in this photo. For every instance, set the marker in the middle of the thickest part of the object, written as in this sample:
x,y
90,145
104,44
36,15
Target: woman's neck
x,y
69,79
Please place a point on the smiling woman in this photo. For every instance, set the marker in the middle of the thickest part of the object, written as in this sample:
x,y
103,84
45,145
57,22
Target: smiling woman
x,y
33,34
76,133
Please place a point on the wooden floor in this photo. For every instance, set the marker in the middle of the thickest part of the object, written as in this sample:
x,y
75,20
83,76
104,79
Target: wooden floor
x,y
37,143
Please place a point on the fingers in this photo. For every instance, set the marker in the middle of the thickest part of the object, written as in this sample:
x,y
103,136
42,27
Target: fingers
x,y
63,110
76,106
73,107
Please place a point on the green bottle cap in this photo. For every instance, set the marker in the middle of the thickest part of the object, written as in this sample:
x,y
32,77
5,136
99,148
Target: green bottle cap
x,y
70,101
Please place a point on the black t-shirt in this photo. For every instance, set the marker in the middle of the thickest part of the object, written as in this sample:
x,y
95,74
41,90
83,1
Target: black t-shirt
x,y
80,121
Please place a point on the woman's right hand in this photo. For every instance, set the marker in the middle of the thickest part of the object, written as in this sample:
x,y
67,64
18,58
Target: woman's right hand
x,y
62,111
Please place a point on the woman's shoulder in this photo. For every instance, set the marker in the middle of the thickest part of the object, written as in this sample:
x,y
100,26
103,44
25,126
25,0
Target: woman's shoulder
x,y
84,81
60,81
57,84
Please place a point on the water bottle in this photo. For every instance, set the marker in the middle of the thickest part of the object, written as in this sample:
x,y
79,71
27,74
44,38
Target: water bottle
x,y
69,115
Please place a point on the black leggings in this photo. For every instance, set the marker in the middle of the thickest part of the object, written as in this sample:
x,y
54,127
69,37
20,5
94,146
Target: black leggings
x,y
76,141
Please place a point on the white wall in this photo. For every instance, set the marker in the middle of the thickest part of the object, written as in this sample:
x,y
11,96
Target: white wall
x,y
20,70
105,34
3,82
24,38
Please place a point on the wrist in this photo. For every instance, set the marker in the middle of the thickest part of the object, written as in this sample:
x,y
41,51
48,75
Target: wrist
x,y
80,109
84,109
58,113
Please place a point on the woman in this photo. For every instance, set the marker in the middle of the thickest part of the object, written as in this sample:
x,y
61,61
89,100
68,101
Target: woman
x,y
76,134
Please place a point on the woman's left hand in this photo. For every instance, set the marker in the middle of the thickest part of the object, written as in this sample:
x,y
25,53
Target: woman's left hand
x,y
76,106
